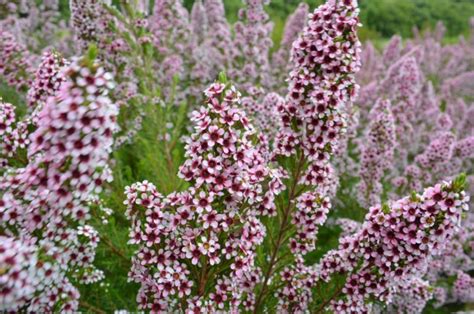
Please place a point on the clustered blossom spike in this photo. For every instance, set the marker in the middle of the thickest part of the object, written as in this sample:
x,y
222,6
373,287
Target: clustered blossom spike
x,y
322,87
438,151
402,85
280,61
411,296
404,79
377,153
464,148
26,281
441,158
86,17
454,262
36,24
212,228
392,51
170,27
396,241
15,61
251,46
219,36
47,80
229,239
199,23
48,199
265,113
14,133
7,129
463,289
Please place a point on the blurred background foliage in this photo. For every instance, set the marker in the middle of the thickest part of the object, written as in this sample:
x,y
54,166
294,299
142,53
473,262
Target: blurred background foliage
x,y
381,18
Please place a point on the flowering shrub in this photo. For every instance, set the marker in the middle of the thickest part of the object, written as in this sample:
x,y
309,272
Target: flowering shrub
x,y
197,247
45,203
323,175
393,244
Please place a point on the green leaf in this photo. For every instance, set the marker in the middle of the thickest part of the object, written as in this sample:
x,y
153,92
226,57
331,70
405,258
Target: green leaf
x,y
459,184
222,78
91,53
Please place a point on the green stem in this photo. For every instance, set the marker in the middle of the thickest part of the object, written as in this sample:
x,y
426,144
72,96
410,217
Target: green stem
x,y
281,234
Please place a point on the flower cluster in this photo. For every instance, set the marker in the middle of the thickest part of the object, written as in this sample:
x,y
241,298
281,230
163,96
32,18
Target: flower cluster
x,y
463,289
36,24
280,60
47,80
170,27
48,199
395,242
377,153
7,129
322,87
15,134
27,281
411,296
199,23
251,46
86,18
219,36
265,112
392,51
15,61
198,246
402,86
240,232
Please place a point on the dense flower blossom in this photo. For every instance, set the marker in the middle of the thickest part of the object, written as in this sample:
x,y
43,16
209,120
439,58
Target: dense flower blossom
x,y
463,289
37,24
454,262
371,69
87,21
402,86
230,239
348,226
314,115
459,86
392,51
395,242
24,275
280,61
199,22
464,148
430,131
219,36
264,113
411,296
48,199
377,153
213,223
7,130
15,61
325,58
170,27
47,80
251,45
